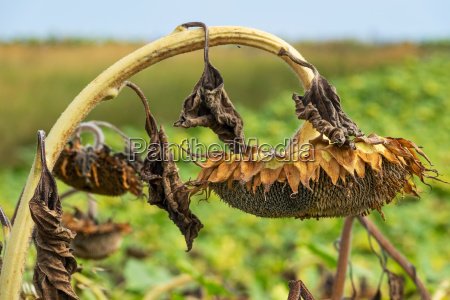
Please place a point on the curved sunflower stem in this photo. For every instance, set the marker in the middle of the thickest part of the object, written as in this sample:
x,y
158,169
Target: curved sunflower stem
x,y
99,137
104,87
344,254
395,254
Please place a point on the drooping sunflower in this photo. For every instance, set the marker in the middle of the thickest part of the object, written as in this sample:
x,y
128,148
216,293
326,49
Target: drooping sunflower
x,y
323,172
96,169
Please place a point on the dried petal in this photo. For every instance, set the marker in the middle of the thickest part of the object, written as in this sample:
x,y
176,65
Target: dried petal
x,y
293,177
256,182
408,144
224,171
370,155
250,169
345,156
360,167
329,165
269,176
307,170
55,263
372,139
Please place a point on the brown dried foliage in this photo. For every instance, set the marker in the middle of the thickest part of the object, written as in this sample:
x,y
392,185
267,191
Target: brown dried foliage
x,y
396,286
165,187
55,263
321,106
298,291
209,105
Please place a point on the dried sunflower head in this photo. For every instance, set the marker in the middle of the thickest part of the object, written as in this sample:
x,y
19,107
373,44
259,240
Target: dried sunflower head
x,y
96,169
328,181
94,240
334,176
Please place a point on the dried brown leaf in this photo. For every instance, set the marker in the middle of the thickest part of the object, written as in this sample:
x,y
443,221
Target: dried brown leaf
x,y
165,187
396,286
321,106
298,291
55,263
208,105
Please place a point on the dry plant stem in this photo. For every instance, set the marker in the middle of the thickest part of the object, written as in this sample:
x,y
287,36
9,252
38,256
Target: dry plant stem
x,y
104,87
344,253
397,256
99,137
158,290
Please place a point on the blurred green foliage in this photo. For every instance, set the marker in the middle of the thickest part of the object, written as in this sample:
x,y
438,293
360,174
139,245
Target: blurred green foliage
x,y
237,253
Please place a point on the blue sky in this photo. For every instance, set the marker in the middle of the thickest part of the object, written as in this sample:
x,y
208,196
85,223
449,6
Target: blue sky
x,y
381,20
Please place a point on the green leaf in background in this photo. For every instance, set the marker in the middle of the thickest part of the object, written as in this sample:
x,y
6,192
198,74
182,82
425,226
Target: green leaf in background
x,y
140,276
212,287
330,259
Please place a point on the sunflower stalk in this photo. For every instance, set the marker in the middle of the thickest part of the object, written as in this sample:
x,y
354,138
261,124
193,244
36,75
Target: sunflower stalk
x,y
105,87
343,259
395,254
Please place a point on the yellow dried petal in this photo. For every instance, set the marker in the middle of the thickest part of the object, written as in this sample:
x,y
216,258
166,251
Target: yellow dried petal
x,y
306,133
256,182
345,156
224,171
360,167
250,169
282,176
391,157
329,165
307,170
293,176
204,174
269,176
373,159
342,173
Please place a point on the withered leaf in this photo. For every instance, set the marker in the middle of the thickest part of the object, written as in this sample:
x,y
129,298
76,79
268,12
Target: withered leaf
x,y
55,263
396,286
298,290
165,187
321,106
208,105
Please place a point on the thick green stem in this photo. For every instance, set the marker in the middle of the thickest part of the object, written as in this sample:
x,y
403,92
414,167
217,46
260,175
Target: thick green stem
x,y
104,87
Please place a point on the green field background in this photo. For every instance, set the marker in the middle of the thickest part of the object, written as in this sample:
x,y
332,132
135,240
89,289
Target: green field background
x,y
398,90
